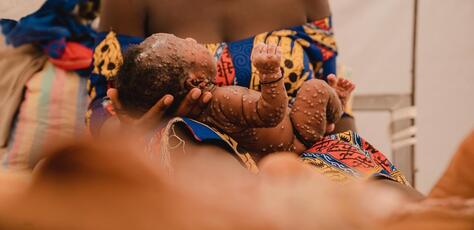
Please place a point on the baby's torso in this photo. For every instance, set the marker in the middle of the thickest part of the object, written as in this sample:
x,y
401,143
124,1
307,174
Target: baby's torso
x,y
220,115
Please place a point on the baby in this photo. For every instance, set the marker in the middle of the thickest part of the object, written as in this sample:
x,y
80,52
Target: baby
x,y
261,122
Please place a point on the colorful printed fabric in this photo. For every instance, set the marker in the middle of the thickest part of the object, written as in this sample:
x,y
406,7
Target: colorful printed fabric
x,y
17,66
53,27
341,157
345,156
107,60
75,56
308,50
53,107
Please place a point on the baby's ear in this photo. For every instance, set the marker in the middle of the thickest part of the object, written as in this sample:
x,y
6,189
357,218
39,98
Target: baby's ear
x,y
191,81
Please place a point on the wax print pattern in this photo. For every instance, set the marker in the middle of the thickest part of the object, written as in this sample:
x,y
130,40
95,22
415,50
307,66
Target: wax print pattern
x,y
346,156
308,51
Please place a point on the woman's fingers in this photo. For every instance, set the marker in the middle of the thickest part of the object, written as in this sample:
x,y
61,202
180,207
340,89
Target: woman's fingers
x,y
194,103
189,102
154,115
201,104
149,119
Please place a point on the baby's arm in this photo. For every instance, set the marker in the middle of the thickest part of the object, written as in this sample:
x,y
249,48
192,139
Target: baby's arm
x,y
270,108
251,109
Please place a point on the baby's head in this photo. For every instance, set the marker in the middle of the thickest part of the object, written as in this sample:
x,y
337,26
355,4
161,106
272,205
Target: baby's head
x,y
162,64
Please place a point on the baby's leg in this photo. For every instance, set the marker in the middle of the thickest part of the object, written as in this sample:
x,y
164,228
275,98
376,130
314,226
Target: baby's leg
x,y
316,105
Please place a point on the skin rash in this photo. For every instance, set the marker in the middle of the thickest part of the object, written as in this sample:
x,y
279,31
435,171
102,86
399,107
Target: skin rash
x,y
260,121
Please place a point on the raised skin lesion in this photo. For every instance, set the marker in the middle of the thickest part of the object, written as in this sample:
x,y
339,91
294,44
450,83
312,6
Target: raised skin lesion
x,y
243,108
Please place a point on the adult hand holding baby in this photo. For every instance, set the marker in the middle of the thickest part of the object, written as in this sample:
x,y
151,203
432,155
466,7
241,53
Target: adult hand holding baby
x,y
193,103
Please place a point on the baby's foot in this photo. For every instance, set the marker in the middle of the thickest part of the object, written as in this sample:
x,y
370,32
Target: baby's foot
x,y
342,86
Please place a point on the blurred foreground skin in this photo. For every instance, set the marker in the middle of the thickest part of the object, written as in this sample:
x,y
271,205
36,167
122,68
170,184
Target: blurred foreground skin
x,y
459,177
83,185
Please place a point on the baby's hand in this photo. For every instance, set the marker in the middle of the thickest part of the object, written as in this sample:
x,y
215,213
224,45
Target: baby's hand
x,y
266,58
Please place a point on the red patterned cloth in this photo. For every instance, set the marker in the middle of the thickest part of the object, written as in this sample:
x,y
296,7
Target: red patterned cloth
x,y
346,156
75,56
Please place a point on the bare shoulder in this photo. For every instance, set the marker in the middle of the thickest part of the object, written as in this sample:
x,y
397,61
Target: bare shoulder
x,y
123,16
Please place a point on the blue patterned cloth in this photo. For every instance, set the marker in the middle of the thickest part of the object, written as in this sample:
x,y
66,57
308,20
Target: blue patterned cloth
x,y
49,28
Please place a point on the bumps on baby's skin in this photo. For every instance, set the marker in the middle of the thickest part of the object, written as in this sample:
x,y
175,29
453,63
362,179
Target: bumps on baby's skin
x,y
266,58
162,64
310,117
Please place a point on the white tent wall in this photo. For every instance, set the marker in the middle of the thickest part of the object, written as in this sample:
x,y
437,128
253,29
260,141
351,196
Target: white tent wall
x,y
375,46
375,40
444,84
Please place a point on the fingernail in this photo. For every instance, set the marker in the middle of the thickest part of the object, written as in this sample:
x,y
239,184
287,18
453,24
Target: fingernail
x,y
195,95
168,100
207,98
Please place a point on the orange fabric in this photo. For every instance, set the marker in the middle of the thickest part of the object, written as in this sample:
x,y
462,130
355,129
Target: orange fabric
x,y
76,56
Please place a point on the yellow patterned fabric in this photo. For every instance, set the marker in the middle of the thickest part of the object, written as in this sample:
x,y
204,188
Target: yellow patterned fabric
x,y
108,56
308,50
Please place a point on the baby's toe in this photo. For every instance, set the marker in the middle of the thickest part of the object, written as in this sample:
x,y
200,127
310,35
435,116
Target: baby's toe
x,y
352,86
332,80
345,84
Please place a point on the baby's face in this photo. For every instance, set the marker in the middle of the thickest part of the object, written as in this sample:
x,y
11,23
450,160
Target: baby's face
x,y
197,57
203,66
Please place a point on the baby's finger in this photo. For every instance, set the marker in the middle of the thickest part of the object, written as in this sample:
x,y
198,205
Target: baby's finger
x,y
271,49
256,51
260,48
